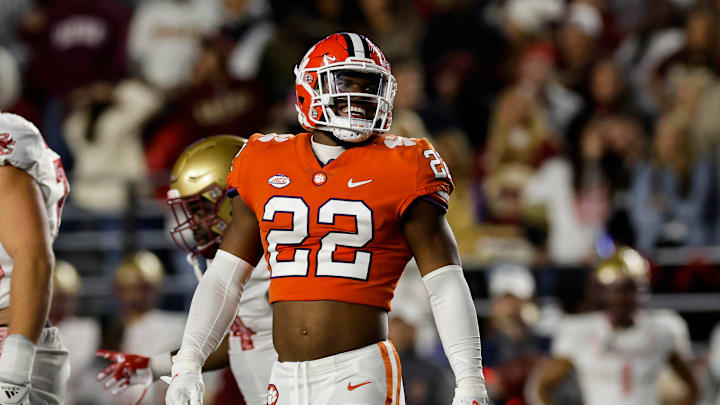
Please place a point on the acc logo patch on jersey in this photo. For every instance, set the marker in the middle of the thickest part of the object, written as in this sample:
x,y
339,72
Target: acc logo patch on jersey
x,y
272,394
7,144
279,181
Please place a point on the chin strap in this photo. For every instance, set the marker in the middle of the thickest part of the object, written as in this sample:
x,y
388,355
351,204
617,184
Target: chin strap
x,y
347,135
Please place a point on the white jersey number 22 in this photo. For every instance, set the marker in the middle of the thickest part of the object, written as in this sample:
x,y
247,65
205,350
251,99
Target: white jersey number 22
x,y
299,265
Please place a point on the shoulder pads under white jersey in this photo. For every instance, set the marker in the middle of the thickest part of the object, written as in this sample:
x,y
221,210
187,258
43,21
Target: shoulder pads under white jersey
x,y
20,142
22,146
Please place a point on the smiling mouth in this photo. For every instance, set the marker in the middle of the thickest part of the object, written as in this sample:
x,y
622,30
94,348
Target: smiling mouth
x,y
356,110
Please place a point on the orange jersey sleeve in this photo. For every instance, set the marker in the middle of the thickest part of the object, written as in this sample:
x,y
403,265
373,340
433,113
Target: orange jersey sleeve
x,y
432,177
242,170
334,232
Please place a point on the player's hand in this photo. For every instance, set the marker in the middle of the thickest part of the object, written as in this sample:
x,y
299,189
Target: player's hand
x,y
13,394
470,400
471,391
126,370
186,388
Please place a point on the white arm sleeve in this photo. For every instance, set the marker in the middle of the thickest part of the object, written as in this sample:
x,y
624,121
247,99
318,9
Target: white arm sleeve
x,y
457,324
212,310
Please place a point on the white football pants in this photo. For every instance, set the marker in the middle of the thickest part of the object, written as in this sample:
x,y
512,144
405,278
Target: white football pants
x,y
51,370
251,360
367,376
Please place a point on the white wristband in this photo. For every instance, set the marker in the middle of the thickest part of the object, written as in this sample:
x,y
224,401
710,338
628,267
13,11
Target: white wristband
x,y
161,365
471,387
16,359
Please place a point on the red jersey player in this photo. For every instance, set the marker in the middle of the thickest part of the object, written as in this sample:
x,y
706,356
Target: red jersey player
x,y
337,212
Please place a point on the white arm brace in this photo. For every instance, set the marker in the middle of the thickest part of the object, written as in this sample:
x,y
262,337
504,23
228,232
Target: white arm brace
x,y
212,310
457,324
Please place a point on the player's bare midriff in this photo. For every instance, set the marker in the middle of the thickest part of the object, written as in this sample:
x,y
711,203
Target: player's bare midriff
x,y
309,330
5,316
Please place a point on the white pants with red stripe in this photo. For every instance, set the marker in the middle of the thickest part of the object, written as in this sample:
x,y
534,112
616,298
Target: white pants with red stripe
x,y
51,370
367,376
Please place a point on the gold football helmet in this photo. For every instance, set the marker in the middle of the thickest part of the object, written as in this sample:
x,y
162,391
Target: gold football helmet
x,y
623,264
142,265
197,193
66,278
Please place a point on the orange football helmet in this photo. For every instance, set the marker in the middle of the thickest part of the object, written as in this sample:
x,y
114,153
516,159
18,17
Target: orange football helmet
x,y
344,86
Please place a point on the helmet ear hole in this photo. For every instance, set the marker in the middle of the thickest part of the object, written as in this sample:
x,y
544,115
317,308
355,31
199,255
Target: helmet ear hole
x,y
301,99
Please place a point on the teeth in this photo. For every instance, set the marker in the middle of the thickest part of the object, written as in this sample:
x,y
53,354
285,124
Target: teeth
x,y
353,110
358,110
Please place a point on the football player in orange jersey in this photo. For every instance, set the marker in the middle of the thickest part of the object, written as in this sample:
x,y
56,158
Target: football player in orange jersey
x,y
337,212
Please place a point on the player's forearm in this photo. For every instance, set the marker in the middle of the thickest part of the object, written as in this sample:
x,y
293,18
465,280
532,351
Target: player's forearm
x,y
218,359
30,294
212,311
456,320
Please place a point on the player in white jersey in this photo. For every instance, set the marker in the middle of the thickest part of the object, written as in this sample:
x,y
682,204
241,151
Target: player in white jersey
x,y
619,352
34,363
197,197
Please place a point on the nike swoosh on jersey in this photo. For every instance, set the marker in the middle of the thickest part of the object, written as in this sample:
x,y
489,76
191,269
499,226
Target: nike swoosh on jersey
x,y
352,387
351,184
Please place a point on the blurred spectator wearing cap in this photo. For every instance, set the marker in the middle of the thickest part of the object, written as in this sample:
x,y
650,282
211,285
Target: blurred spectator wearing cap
x,y
510,347
165,38
670,193
530,18
80,334
578,42
147,330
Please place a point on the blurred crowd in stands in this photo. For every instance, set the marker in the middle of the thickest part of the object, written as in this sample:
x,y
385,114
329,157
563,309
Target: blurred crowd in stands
x,y
569,126
566,124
